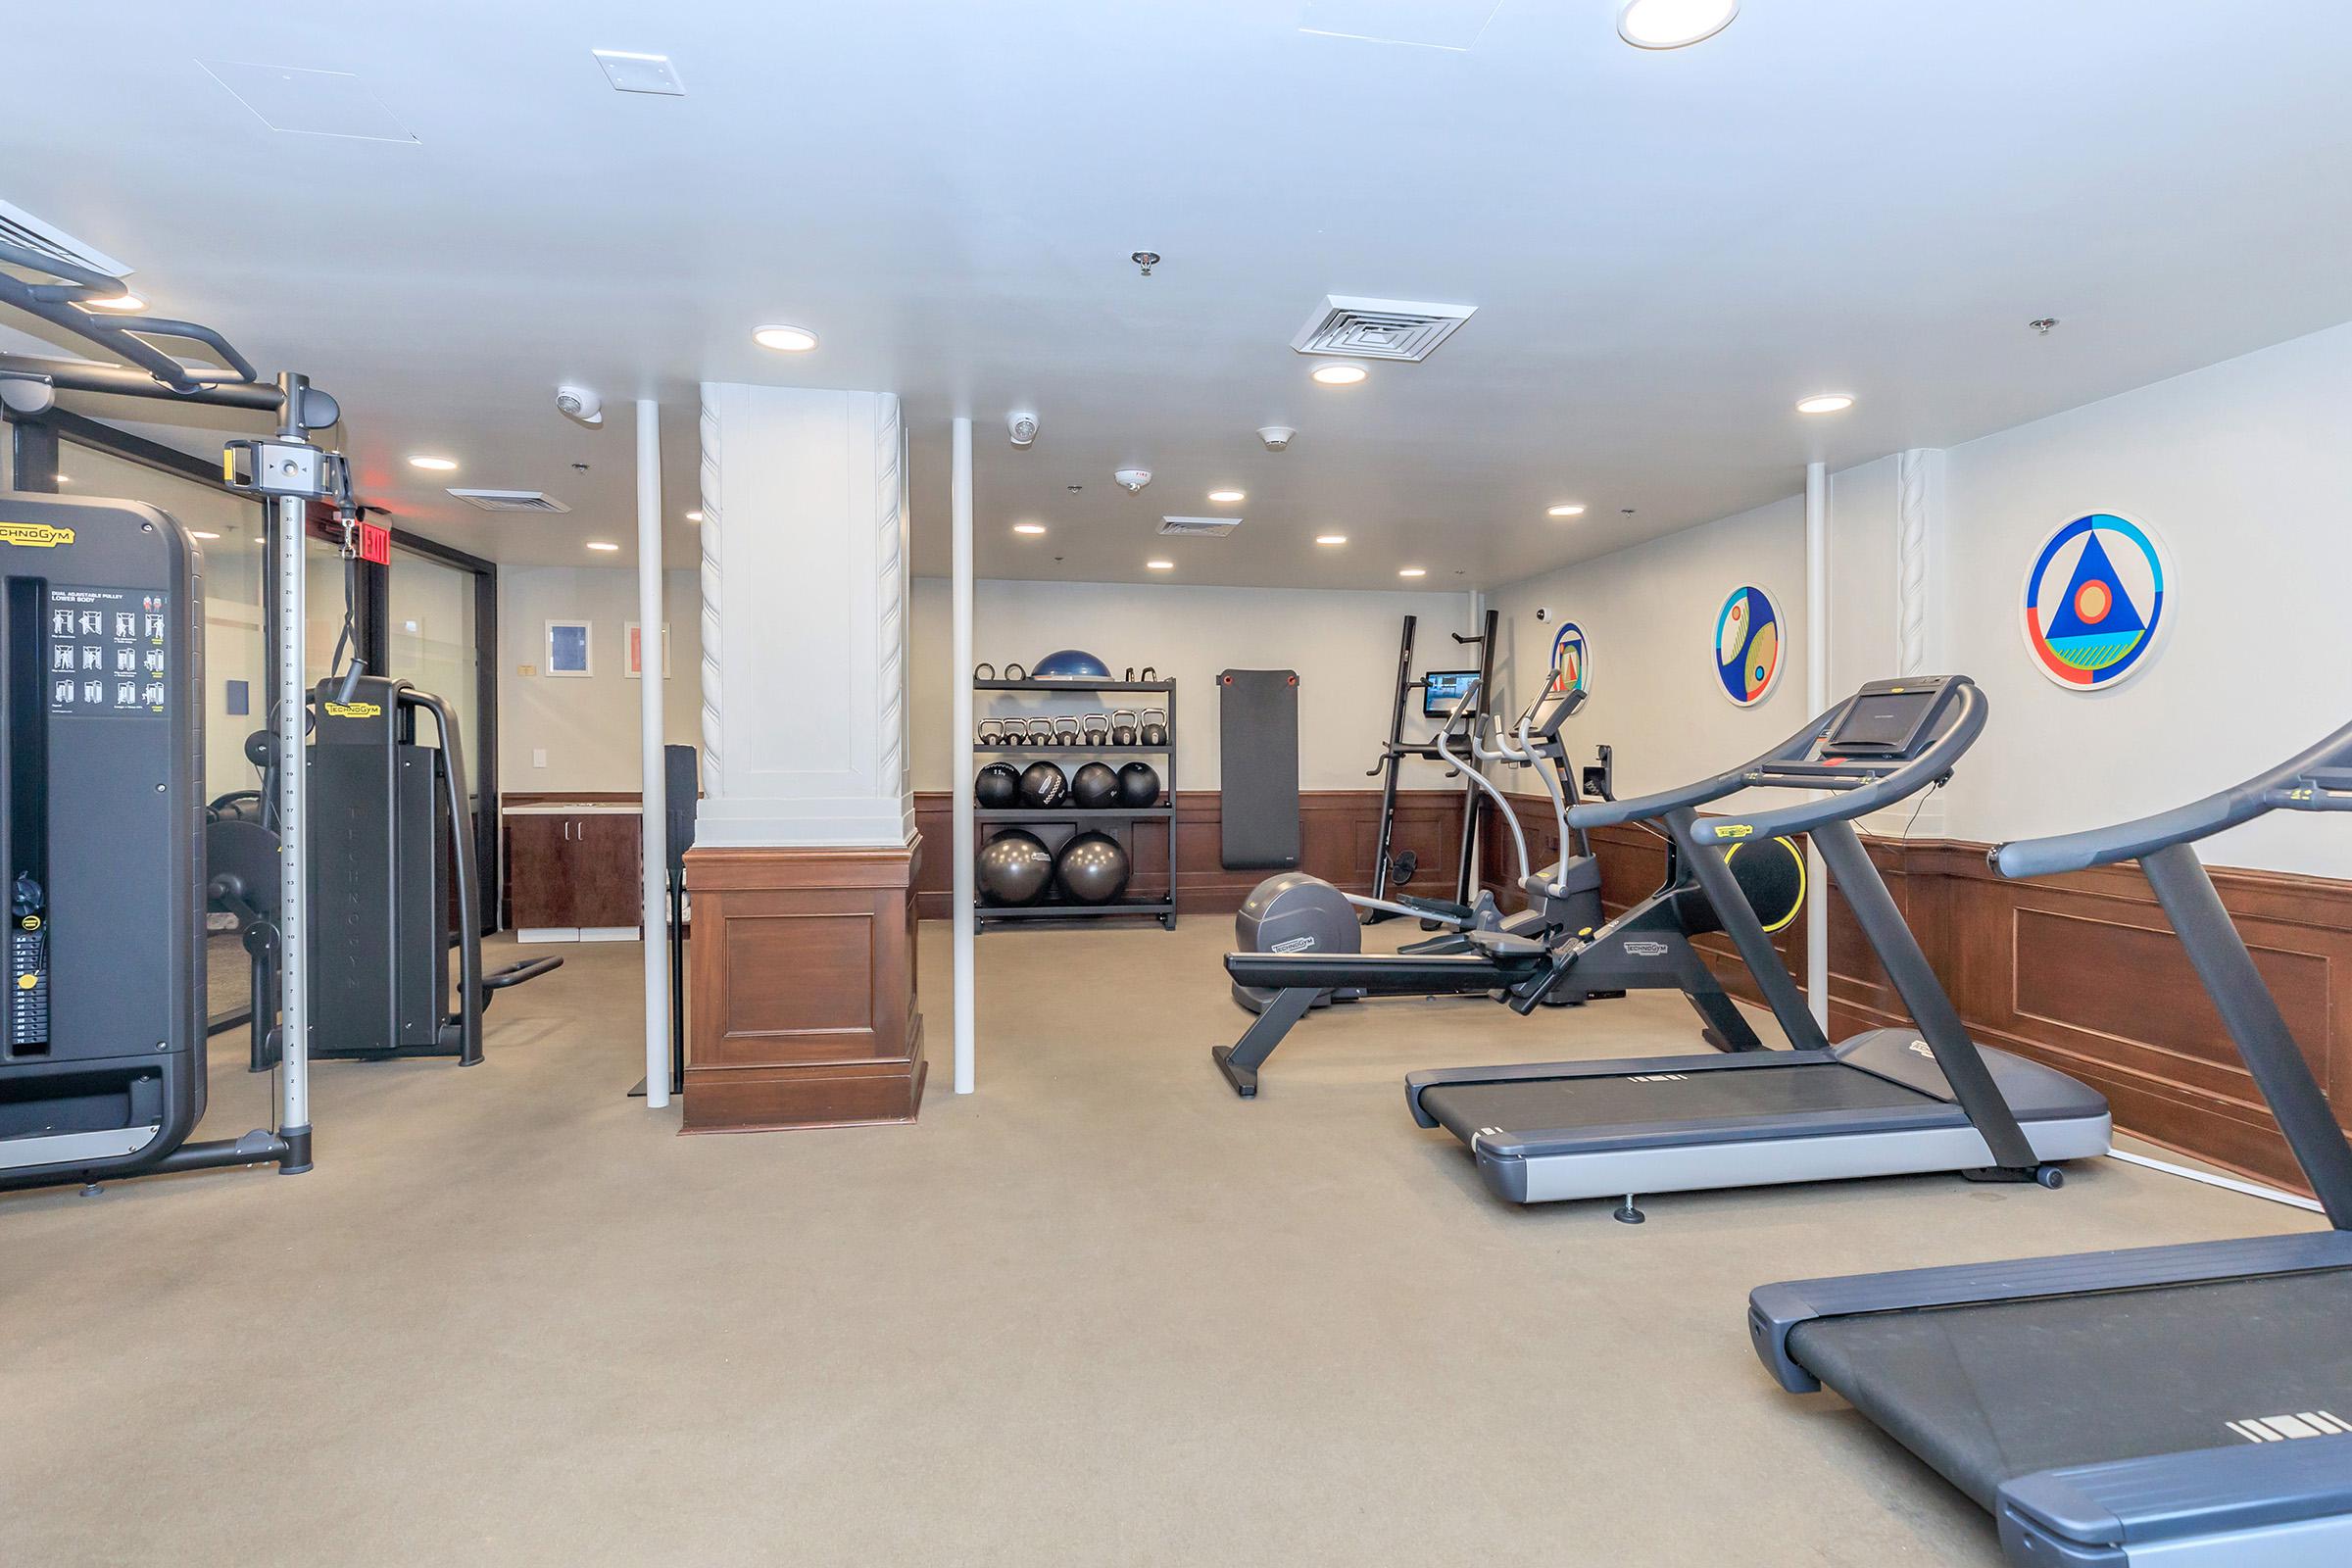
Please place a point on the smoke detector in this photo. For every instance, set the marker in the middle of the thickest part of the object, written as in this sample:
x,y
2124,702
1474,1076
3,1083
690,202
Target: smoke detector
x,y
1354,328
511,500
1022,427
1133,480
1211,527
1277,437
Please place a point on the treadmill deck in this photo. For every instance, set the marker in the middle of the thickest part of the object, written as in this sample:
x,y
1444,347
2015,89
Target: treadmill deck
x,y
1987,1393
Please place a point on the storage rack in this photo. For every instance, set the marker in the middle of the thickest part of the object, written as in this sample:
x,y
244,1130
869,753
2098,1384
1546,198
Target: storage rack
x,y
1048,908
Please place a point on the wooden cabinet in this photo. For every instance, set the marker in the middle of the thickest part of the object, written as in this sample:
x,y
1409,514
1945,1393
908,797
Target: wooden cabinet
x,y
574,873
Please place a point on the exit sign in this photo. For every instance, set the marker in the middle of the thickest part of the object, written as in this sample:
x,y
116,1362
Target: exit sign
x,y
375,544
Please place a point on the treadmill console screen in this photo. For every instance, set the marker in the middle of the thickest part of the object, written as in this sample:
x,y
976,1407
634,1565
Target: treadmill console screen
x,y
1887,719
1548,712
1442,688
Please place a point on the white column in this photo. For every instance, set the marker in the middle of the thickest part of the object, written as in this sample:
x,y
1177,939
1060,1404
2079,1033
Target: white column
x,y
1817,698
963,843
802,498
1918,632
654,804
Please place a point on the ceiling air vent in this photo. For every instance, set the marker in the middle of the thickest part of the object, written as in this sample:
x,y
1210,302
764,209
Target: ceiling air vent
x,y
1211,527
1355,328
511,500
20,227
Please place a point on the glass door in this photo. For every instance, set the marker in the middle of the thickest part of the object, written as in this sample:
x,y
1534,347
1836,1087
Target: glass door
x,y
436,617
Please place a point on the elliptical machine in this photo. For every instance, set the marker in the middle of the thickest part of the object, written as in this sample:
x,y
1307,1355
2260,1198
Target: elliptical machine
x,y
1553,955
1295,911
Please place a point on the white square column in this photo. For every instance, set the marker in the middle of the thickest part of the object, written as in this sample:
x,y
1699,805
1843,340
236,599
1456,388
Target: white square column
x,y
805,585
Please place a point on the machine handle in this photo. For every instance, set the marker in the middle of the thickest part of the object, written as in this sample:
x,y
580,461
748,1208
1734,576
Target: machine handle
x,y
2295,785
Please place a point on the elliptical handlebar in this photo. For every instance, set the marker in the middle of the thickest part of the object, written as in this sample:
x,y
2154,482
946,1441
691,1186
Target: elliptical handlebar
x,y
2313,780
1455,724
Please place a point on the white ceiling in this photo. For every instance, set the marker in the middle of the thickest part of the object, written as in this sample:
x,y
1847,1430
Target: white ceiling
x,y
1666,249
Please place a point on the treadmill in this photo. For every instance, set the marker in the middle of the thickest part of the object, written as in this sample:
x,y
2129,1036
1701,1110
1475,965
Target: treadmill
x,y
1888,1102
2166,1406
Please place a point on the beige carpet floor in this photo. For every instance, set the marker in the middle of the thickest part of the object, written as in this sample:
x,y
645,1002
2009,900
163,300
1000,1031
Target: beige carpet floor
x,y
1101,1312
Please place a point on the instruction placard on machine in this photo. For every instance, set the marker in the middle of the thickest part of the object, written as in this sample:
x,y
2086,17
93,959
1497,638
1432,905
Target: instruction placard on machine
x,y
106,651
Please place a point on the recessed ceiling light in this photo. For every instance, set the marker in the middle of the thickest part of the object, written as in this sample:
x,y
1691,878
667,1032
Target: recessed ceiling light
x,y
1161,566
1826,403
62,478
785,339
201,534
694,516
1227,498
1413,571
1673,24
120,302
599,544
436,465
1331,538
1341,375
1567,508
1029,528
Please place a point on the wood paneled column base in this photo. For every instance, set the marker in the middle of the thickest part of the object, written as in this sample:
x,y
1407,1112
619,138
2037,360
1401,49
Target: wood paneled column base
x,y
804,989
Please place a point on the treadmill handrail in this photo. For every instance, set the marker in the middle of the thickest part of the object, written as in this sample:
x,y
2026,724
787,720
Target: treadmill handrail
x,y
2282,787
1849,802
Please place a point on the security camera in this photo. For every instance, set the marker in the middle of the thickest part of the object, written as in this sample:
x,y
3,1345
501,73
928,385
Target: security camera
x,y
1276,436
1023,427
1542,614
578,403
1133,480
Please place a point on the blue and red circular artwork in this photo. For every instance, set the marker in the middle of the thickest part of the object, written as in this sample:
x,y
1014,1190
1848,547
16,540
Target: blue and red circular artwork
x,y
2094,602
1748,639
1571,659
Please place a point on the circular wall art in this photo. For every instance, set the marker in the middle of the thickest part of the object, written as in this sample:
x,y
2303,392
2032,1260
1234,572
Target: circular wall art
x,y
1748,640
1571,659
2094,602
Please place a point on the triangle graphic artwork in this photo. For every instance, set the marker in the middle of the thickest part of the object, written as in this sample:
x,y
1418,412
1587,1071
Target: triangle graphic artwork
x,y
2097,622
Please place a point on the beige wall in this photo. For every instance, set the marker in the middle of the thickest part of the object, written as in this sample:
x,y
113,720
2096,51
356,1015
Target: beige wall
x,y
2241,468
588,727
1343,645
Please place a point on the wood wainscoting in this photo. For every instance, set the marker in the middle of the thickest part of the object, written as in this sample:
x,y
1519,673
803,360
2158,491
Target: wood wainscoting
x,y
805,1011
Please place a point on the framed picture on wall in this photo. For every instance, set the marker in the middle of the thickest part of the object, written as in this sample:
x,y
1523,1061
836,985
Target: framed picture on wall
x,y
568,648
633,651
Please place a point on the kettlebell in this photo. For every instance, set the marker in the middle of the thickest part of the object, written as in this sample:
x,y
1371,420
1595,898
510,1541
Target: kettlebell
x,y
1154,732
1065,730
1040,737
990,733
1123,729
1098,729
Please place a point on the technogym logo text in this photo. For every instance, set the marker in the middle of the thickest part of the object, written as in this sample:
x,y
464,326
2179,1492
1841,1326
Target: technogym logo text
x,y
2285,1428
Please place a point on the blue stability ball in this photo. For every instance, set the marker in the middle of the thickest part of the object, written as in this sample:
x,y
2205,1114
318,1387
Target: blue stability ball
x,y
1070,663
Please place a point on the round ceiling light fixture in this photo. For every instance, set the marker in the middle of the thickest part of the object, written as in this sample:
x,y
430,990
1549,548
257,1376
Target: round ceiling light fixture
x,y
1673,24
1341,375
785,339
1227,498
1413,571
694,516
599,544
1331,538
1029,528
1161,566
1567,508
1826,403
433,465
